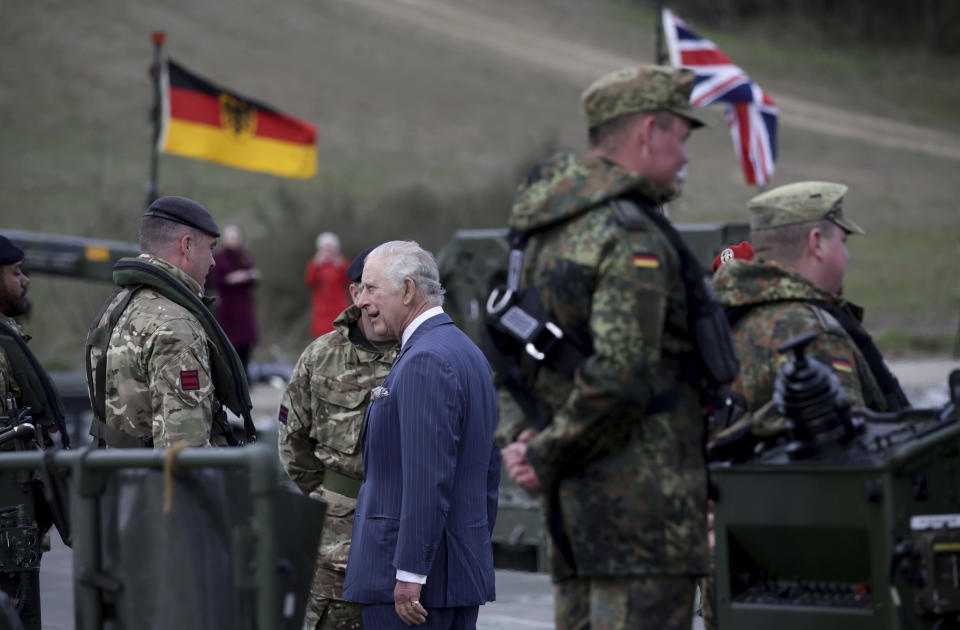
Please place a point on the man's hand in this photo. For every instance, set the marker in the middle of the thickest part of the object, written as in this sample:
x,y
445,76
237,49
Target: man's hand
x,y
405,594
519,469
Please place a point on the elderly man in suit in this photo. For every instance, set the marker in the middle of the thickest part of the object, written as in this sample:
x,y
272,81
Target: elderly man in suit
x,y
421,551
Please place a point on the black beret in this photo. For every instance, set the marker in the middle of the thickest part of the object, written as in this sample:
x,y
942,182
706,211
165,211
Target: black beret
x,y
355,270
185,211
9,253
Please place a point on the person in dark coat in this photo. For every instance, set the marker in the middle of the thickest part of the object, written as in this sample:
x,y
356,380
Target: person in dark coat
x,y
234,277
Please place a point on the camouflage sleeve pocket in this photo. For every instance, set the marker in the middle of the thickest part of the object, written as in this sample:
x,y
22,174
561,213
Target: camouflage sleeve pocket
x,y
338,414
186,376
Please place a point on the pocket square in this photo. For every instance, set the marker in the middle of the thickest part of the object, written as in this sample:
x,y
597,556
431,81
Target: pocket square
x,y
379,392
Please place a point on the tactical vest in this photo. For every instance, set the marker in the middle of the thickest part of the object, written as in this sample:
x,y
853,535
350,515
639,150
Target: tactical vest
x,y
229,380
521,337
36,389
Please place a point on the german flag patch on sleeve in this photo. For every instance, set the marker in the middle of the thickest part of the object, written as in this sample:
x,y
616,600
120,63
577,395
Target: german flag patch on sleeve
x,y
189,380
839,365
646,261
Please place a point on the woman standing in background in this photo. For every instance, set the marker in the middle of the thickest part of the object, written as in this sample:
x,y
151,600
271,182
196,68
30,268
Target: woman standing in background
x,y
326,275
234,277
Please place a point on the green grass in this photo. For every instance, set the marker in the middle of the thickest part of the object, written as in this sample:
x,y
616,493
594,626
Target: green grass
x,y
422,133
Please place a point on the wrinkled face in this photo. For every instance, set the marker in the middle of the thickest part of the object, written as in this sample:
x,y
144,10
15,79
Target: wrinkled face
x,y
835,258
386,308
13,290
365,322
199,260
232,237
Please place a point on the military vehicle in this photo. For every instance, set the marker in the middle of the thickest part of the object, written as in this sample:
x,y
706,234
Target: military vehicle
x,y
852,521
471,266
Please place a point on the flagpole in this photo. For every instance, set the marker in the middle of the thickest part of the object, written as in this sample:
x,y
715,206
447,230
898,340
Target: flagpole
x,y
158,38
659,54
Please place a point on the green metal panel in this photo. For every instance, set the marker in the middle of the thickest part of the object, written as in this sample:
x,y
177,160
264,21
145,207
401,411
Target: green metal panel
x,y
819,542
273,595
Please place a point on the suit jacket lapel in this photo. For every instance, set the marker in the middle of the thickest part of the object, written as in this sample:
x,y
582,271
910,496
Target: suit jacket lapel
x,y
438,320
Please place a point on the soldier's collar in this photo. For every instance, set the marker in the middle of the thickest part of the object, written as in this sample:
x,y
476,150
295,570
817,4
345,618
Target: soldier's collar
x,y
176,272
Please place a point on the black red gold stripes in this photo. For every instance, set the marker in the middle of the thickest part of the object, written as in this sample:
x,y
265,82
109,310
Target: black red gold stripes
x,y
206,122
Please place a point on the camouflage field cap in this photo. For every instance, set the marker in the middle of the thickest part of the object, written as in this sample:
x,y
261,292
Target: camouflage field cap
x,y
640,89
799,203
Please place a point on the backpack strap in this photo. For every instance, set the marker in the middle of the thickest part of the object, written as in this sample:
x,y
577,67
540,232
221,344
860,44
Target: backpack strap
x,y
716,359
99,338
37,390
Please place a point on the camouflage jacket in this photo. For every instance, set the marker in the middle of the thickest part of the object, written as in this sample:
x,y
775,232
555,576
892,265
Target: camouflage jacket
x,y
778,308
632,486
158,380
8,384
321,416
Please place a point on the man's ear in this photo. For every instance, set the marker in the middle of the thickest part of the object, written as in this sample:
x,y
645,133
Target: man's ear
x,y
641,133
814,243
184,244
409,290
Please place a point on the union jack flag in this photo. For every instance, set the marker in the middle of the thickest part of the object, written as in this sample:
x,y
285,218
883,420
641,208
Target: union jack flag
x,y
751,114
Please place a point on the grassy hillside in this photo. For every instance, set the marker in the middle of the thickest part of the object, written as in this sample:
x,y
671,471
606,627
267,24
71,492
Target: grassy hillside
x,y
425,117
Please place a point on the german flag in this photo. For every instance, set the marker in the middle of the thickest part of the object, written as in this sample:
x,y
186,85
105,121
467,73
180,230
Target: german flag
x,y
204,121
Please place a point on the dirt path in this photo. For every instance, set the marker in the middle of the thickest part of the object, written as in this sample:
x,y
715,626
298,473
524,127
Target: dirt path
x,y
582,63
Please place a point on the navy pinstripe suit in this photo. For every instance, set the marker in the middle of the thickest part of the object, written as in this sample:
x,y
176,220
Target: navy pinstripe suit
x,y
431,470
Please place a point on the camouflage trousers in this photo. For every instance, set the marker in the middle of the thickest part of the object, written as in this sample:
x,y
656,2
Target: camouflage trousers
x,y
324,611
708,601
659,602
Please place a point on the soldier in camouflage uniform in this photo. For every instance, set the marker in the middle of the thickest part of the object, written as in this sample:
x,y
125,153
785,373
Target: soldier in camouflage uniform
x,y
794,286
158,384
27,515
321,417
623,454
13,301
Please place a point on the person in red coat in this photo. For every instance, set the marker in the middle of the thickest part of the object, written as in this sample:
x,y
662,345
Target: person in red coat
x,y
326,275
233,278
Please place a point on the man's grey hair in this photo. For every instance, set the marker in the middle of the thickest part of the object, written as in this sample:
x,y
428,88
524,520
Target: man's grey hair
x,y
609,136
158,235
406,259
786,243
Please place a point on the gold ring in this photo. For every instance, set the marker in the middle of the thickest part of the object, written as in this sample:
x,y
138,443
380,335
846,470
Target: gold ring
x,y
415,604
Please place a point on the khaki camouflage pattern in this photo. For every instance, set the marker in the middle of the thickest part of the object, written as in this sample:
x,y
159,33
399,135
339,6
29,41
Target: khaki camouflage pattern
x,y
632,487
659,602
332,614
153,343
640,89
780,311
799,203
8,384
325,403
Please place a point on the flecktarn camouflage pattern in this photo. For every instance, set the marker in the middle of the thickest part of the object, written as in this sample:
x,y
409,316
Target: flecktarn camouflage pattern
x,y
158,368
321,417
632,487
798,203
640,89
778,308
